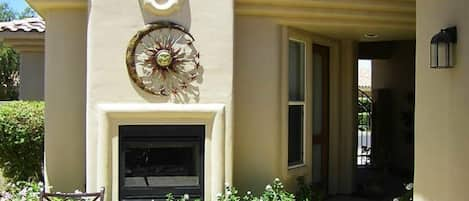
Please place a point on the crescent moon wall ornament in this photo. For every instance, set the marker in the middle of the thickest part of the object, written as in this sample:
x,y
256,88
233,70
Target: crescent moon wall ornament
x,y
162,9
162,60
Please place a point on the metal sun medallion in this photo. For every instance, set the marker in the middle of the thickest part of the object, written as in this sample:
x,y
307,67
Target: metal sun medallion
x,y
162,60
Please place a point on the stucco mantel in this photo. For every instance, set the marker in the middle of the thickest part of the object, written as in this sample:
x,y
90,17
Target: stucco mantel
x,y
112,115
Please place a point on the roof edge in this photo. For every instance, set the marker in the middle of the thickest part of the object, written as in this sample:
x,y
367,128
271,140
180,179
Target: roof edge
x,y
42,6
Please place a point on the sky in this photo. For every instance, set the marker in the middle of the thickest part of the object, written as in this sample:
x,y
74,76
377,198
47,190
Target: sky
x,y
17,5
364,72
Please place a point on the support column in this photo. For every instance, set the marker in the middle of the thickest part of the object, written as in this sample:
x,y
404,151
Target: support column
x,y
65,96
348,107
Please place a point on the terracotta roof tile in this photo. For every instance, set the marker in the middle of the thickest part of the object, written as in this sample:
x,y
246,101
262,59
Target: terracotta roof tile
x,y
35,24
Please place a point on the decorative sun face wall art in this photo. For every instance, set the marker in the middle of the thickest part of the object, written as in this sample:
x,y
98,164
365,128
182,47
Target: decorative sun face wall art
x,y
162,60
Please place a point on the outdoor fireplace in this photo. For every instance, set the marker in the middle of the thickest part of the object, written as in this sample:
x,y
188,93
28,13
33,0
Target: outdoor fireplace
x,y
155,160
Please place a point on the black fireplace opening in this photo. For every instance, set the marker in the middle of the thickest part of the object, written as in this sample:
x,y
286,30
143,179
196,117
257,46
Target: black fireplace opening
x,y
155,160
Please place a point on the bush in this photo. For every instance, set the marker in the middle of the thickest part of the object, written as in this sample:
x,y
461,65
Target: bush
x,y
309,192
20,191
273,192
21,140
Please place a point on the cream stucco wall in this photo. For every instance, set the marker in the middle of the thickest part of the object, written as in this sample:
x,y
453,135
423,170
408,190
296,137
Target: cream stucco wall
x,y
257,103
441,121
255,84
111,26
261,115
65,97
31,75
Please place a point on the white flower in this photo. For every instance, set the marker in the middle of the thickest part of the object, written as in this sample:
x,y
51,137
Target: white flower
x,y
395,199
409,186
6,196
249,192
277,180
228,193
227,184
23,192
186,196
219,195
268,188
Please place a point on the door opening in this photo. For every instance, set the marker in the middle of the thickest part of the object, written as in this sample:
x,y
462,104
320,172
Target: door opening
x,y
320,115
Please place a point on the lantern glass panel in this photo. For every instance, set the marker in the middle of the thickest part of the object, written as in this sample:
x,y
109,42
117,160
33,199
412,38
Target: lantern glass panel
x,y
434,55
443,55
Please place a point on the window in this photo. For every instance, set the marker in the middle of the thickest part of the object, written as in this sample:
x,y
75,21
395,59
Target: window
x,y
296,102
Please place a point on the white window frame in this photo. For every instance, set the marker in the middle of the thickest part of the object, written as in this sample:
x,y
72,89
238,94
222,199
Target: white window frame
x,y
301,103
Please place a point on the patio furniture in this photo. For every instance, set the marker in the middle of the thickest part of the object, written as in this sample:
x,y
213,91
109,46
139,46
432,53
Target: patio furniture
x,y
73,196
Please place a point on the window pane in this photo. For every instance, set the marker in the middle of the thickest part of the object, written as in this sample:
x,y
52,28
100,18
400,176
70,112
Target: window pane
x,y
296,64
295,135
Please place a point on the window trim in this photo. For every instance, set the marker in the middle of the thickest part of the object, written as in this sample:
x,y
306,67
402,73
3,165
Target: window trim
x,y
302,103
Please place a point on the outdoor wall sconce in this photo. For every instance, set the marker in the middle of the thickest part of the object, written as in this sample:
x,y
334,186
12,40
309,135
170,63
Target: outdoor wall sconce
x,y
442,48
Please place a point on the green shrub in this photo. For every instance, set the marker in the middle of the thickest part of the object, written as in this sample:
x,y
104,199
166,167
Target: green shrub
x,y
20,191
28,191
21,140
309,192
273,192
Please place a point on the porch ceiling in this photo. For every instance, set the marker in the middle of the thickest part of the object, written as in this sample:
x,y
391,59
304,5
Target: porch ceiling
x,y
344,19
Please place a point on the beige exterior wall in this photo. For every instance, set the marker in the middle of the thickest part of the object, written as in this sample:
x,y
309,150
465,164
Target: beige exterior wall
x,y
261,112
108,81
65,95
257,119
441,121
31,75
256,84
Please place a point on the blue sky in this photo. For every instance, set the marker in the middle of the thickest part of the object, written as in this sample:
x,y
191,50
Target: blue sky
x,y
17,5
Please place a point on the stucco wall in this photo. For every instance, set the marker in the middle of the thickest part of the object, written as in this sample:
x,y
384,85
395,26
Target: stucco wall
x,y
441,121
111,26
257,102
32,76
65,97
261,115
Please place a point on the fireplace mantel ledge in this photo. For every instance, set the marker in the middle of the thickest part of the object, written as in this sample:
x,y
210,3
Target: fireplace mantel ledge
x,y
163,107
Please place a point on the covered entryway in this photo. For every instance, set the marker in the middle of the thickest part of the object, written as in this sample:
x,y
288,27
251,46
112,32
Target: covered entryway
x,y
321,126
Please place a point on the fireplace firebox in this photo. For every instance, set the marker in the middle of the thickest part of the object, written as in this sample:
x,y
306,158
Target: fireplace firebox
x,y
155,160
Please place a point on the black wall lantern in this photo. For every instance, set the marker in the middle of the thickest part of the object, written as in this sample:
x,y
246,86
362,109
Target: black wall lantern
x,y
442,48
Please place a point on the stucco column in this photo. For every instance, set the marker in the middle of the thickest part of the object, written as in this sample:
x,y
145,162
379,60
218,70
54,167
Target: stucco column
x,y
348,84
31,75
65,96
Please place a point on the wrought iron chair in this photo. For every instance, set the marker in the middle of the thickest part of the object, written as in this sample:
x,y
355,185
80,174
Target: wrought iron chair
x,y
98,196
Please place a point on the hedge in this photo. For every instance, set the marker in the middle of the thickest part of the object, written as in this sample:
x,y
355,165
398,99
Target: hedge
x,y
22,140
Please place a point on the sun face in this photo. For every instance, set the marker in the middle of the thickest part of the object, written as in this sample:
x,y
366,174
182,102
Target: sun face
x,y
162,60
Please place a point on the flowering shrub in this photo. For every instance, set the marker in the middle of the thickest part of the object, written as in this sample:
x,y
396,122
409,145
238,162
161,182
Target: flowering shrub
x,y
21,191
30,191
272,192
170,197
409,193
